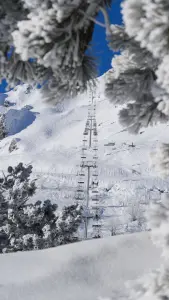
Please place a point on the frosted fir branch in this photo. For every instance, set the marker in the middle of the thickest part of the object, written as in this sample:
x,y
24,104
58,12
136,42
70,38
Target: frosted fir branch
x,y
161,97
119,40
132,12
57,36
158,219
130,85
61,87
11,13
152,286
92,19
148,22
123,62
17,71
163,74
163,104
141,114
160,160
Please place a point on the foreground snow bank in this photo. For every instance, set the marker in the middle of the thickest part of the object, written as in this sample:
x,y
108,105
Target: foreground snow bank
x,y
91,270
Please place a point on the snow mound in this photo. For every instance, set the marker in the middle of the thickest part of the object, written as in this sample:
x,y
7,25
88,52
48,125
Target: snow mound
x,y
90,270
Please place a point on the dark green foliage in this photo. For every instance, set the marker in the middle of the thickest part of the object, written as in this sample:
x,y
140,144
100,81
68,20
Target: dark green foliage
x,y
3,131
26,226
71,219
57,43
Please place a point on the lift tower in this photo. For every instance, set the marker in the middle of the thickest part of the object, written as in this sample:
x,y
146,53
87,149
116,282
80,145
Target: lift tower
x,y
87,194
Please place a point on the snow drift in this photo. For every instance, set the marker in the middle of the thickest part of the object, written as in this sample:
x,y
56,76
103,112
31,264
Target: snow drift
x,y
90,270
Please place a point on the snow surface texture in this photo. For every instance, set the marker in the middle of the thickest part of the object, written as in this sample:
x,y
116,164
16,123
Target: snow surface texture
x,y
90,270
50,138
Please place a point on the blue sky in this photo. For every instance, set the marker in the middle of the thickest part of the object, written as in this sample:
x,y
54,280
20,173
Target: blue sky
x,y
99,44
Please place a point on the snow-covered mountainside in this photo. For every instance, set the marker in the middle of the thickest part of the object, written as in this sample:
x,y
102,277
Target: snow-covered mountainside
x,y
50,138
92,270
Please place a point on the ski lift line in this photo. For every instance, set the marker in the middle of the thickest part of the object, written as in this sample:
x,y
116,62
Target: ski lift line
x,y
89,167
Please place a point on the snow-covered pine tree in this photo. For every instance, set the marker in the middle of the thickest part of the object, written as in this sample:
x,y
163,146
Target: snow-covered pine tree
x,y
3,209
39,226
16,189
3,132
3,220
26,226
68,223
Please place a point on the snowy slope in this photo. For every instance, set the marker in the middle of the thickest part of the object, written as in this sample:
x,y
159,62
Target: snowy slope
x,y
51,138
90,270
